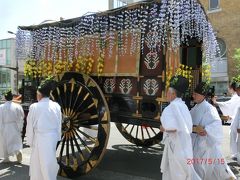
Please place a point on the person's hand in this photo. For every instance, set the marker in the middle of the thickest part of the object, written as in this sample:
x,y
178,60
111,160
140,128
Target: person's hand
x,y
202,133
162,128
171,130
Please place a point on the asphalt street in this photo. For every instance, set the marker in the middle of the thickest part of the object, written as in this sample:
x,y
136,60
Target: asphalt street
x,y
122,161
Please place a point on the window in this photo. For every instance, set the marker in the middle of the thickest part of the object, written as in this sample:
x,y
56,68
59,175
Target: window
x,y
8,43
119,3
5,79
222,47
213,4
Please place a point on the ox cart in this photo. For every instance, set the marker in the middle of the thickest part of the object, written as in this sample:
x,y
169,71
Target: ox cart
x,y
114,66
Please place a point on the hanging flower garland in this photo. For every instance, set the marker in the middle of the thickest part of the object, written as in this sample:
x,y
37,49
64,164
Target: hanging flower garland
x,y
61,66
100,65
206,73
45,68
84,64
173,22
78,64
30,69
169,74
89,66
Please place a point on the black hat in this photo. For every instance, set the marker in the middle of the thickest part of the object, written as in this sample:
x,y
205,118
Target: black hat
x,y
202,88
46,86
235,83
8,95
179,83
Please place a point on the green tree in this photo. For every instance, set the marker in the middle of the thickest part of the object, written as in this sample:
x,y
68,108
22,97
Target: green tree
x,y
236,58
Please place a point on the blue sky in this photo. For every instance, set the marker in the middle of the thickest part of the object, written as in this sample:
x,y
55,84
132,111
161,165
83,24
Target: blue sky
x,y
14,13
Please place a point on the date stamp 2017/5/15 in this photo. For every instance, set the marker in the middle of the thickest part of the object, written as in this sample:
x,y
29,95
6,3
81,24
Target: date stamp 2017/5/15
x,y
205,161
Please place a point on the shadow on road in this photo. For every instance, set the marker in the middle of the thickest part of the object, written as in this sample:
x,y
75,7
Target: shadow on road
x,y
235,168
133,160
13,171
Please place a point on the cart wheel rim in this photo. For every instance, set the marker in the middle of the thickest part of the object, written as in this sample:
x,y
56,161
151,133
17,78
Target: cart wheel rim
x,y
85,124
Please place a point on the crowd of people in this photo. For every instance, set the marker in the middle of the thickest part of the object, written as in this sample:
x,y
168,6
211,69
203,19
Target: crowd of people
x,y
43,131
192,139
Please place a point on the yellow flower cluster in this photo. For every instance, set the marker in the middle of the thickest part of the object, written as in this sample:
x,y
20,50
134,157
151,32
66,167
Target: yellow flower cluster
x,y
78,64
89,65
30,68
206,73
169,74
100,64
61,66
182,70
44,68
185,71
84,65
34,69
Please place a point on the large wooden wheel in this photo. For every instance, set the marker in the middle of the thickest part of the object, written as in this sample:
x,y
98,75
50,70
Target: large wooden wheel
x,y
85,124
141,135
134,129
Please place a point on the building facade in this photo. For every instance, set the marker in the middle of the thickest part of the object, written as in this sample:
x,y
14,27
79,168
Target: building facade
x,y
119,3
9,65
225,18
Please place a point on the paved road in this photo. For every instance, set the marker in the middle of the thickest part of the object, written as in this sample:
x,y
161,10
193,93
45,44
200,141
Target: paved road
x,y
122,161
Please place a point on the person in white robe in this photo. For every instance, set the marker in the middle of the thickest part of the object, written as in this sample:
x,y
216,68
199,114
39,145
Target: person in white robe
x,y
177,127
237,121
43,132
207,138
229,108
237,125
11,123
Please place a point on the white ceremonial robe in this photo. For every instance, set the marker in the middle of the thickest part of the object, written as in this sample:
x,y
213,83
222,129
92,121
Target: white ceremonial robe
x,y
229,108
178,145
43,132
209,162
235,126
11,123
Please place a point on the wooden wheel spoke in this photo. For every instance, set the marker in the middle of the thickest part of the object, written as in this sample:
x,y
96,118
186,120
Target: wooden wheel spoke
x,y
72,148
153,131
84,99
75,101
78,107
126,127
67,153
79,149
148,132
59,99
65,97
88,108
137,132
142,132
90,127
84,143
70,100
62,148
87,136
131,129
